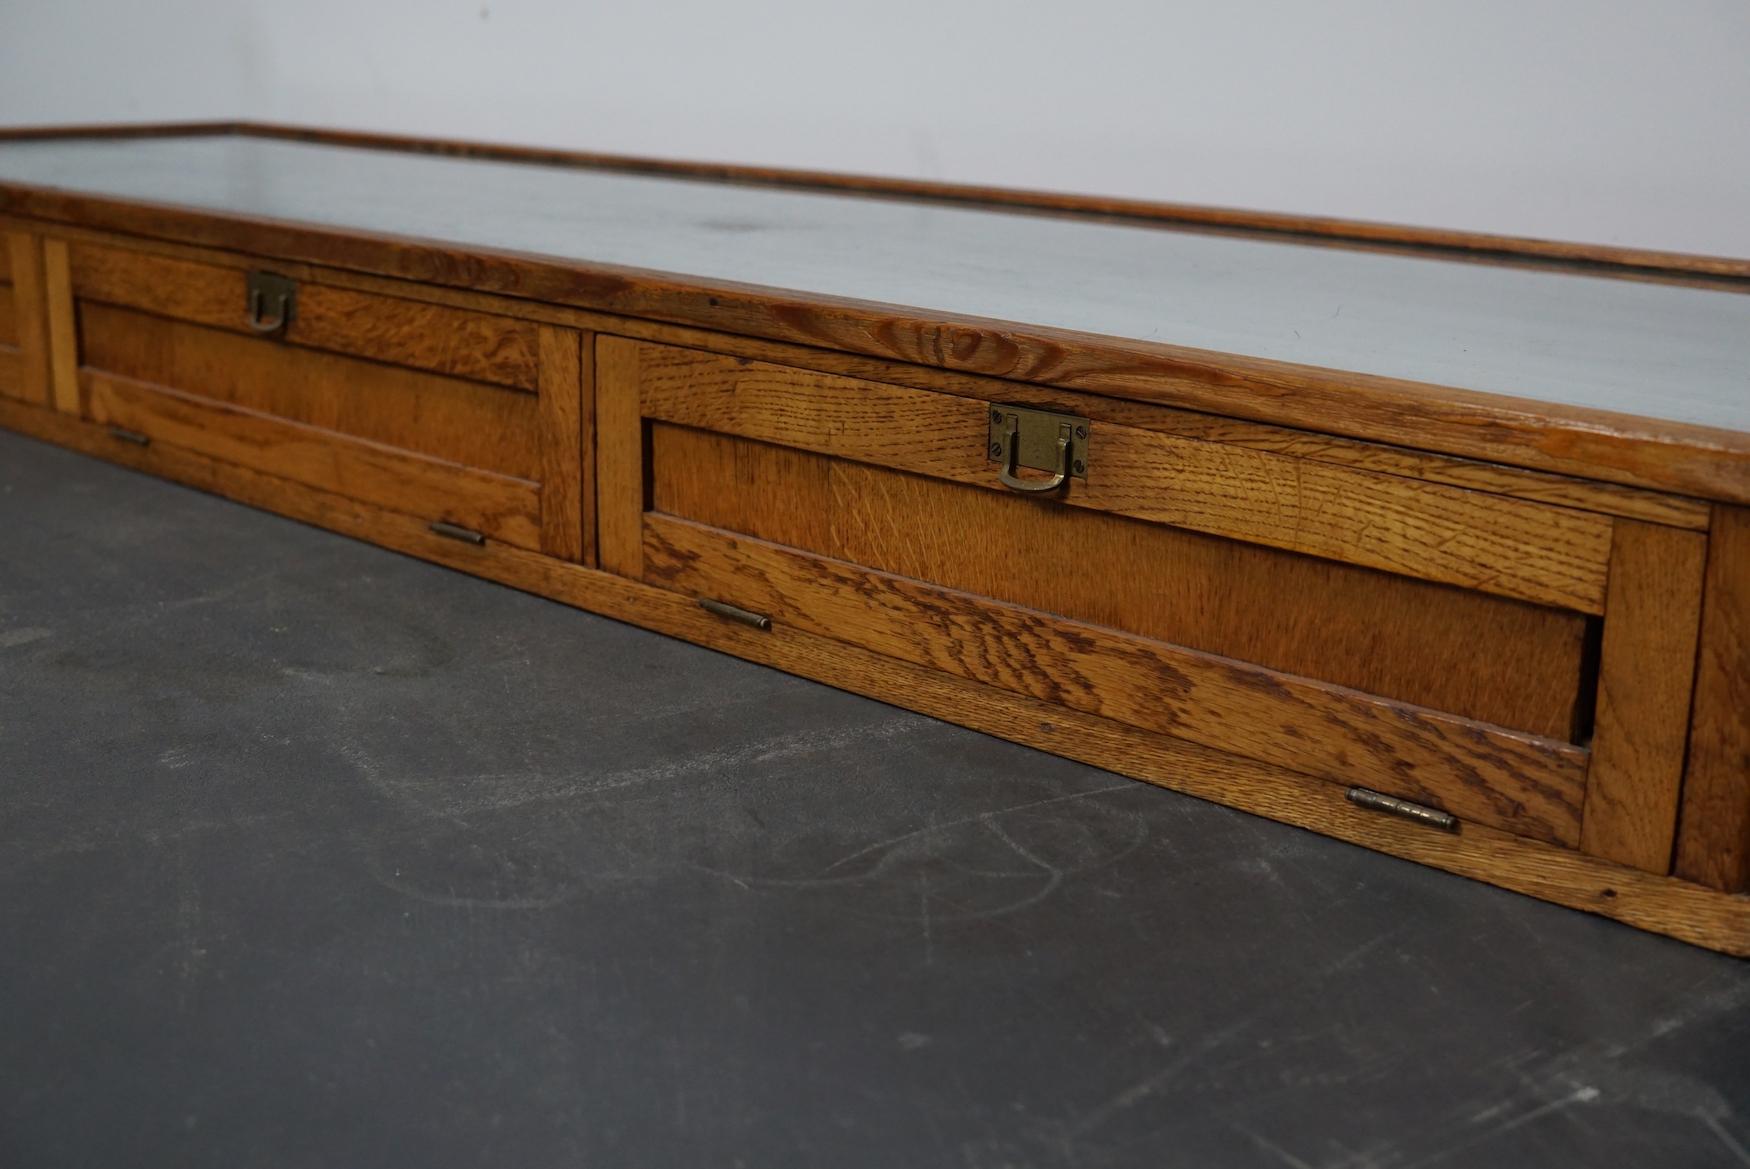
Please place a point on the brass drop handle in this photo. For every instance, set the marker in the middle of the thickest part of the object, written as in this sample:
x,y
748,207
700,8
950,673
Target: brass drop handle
x,y
271,303
1039,440
265,324
1011,443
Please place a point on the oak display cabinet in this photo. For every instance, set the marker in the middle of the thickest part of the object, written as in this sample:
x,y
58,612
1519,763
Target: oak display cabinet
x,y
1431,542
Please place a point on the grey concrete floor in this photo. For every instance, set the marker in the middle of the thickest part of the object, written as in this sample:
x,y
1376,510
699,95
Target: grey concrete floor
x,y
315,855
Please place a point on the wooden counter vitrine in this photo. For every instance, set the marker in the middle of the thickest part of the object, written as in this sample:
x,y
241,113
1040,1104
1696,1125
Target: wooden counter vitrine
x,y
1435,543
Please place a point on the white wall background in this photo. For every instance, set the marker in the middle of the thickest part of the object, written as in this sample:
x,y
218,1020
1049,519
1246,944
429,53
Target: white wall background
x,y
1613,121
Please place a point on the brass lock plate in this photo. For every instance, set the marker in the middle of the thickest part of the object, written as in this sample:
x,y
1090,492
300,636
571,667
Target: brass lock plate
x,y
1037,435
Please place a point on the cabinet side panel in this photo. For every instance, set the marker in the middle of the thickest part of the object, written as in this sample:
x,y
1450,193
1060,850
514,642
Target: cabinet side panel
x,y
1713,843
1650,617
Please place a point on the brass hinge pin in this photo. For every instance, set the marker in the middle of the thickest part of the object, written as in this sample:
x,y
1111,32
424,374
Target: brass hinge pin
x,y
724,609
457,532
1391,805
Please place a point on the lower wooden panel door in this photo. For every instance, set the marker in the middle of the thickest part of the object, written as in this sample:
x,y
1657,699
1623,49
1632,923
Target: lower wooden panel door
x,y
471,420
871,514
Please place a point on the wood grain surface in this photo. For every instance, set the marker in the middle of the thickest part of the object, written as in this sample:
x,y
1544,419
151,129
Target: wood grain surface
x,y
12,381
1497,478
621,467
561,441
11,376
28,379
1644,681
1713,846
1519,782
498,506
419,335
1507,547
589,504
63,329
1666,905
1467,653
471,423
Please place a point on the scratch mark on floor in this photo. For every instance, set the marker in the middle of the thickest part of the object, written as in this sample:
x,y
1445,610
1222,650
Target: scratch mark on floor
x,y
1349,959
1053,874
924,913
1274,1149
505,791
17,637
985,817
1142,1089
190,954
1584,1094
395,883
1727,1139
